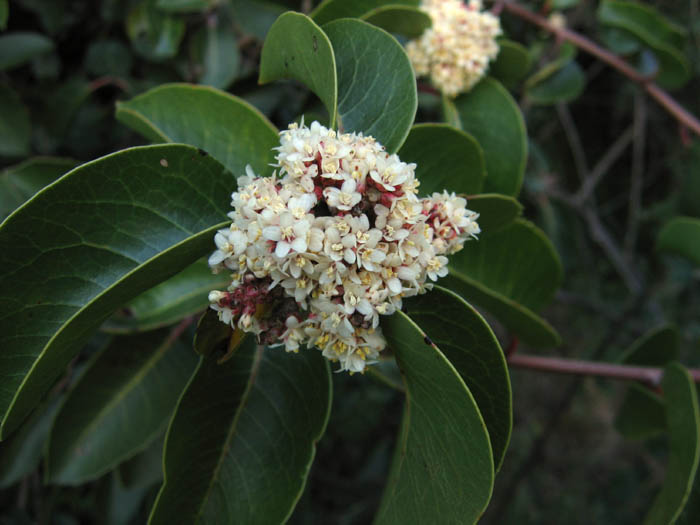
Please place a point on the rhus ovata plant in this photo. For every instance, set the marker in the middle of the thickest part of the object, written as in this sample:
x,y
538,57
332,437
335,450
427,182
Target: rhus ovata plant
x,y
217,276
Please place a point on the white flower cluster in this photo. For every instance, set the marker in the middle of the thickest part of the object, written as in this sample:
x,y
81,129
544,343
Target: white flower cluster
x,y
339,239
456,50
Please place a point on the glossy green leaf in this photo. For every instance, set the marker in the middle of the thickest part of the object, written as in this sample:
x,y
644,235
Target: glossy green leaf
x,y
20,182
155,35
442,464
121,404
107,231
619,41
401,19
20,47
563,86
495,211
226,127
215,51
243,437
296,48
4,14
184,6
183,294
666,39
491,272
329,10
469,344
683,423
21,453
681,236
642,414
376,85
512,63
490,114
15,126
446,159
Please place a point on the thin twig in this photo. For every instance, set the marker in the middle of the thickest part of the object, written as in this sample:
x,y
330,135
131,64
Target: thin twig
x,y
603,166
658,94
650,376
574,140
637,178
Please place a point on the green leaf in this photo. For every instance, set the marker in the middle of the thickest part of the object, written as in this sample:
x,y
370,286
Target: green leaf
x,y
15,126
512,63
490,114
619,41
490,272
21,453
20,47
154,35
296,48
401,19
20,182
4,14
121,404
215,50
495,211
446,159
681,236
184,6
105,232
243,437
683,424
469,344
183,294
655,348
642,414
565,54
443,464
330,10
376,85
226,127
256,16
108,57
563,86
666,39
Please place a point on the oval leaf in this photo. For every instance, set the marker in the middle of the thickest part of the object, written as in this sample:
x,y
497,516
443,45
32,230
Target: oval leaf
x,y
296,48
490,114
642,414
332,9
681,236
119,406
683,423
104,233
467,342
401,19
243,437
19,183
565,85
512,63
226,127
443,464
183,294
656,348
376,86
215,50
15,125
446,159
20,47
491,273
495,211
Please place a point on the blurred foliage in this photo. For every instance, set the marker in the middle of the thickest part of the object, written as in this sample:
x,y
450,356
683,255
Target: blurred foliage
x,y
65,63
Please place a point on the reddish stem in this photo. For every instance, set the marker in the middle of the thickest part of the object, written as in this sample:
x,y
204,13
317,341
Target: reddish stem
x,y
658,94
648,375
